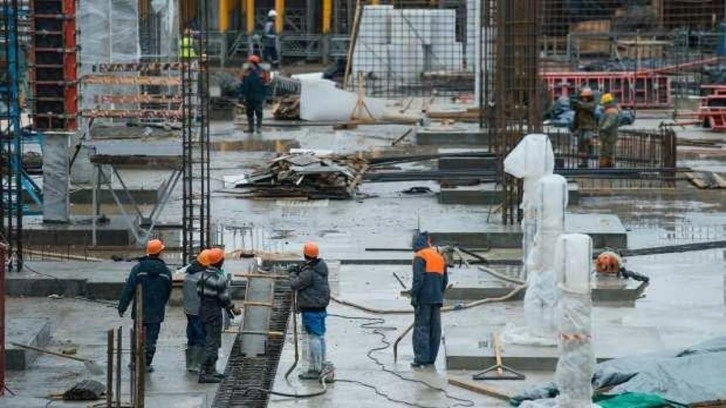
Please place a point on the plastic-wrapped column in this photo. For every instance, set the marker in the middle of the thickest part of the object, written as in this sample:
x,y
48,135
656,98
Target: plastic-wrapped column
x,y
531,159
540,301
573,258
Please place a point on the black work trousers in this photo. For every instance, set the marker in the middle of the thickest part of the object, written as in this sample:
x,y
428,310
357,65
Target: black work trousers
x,y
426,333
213,340
254,111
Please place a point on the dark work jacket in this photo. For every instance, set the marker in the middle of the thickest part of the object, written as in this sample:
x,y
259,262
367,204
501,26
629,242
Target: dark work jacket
x,y
155,279
311,284
584,116
430,276
254,85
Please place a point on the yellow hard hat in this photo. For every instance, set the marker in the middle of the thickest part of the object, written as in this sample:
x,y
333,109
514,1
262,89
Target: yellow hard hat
x,y
607,98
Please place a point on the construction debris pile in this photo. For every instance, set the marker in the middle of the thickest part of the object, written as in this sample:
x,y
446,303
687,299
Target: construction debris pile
x,y
288,108
307,176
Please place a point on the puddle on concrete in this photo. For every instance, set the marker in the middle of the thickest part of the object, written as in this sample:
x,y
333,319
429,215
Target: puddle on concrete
x,y
255,145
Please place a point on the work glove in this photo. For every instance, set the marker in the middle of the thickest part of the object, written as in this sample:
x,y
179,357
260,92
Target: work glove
x,y
120,314
414,302
406,293
236,310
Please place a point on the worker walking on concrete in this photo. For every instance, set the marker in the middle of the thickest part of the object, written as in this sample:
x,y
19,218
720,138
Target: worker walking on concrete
x,y
608,129
155,279
213,291
190,299
253,90
430,278
584,125
310,281
269,41
186,45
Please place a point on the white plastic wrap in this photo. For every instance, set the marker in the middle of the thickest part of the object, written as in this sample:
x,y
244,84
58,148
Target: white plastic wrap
x,y
530,160
550,200
319,101
56,149
573,257
109,32
169,31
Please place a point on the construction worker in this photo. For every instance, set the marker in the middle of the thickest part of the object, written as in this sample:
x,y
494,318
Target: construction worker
x,y
186,45
269,41
430,278
253,90
310,281
584,125
155,279
610,263
190,300
608,131
213,291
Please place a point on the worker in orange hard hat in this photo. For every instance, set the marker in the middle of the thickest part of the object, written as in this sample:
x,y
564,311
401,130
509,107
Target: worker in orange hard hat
x,y
154,277
213,291
190,301
584,125
253,90
310,281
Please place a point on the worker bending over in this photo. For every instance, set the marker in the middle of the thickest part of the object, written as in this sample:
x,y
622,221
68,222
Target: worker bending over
x,y
190,300
430,278
310,281
253,91
213,290
608,130
584,125
155,279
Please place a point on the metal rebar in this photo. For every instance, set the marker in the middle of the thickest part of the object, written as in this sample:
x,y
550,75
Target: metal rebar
x,y
140,363
109,368
119,349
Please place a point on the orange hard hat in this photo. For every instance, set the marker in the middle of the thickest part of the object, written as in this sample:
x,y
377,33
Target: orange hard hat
x,y
607,262
254,59
311,250
203,258
154,247
215,255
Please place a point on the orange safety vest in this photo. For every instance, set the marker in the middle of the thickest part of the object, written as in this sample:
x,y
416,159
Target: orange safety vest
x,y
435,263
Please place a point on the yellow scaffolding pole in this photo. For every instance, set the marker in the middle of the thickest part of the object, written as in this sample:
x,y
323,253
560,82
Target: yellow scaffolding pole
x,y
250,15
327,15
224,6
375,2
280,20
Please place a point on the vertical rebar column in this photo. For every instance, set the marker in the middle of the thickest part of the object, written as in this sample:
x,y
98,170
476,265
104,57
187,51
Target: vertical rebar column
x,y
109,368
516,89
119,344
140,357
573,260
3,256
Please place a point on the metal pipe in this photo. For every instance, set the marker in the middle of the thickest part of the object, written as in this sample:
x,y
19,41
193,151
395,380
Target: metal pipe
x,y
140,366
119,349
3,257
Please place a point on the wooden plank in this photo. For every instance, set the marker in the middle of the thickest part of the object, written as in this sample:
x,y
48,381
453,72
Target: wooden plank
x,y
480,388
706,180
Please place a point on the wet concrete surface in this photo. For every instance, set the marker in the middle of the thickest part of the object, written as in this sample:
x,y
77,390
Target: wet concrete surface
x,y
684,303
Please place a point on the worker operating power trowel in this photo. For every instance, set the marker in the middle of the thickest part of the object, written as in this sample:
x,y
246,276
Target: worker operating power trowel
x,y
610,263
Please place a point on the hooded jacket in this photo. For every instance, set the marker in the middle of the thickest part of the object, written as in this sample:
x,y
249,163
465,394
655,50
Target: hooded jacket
x,y
430,276
253,87
213,291
155,279
311,284
585,116
189,292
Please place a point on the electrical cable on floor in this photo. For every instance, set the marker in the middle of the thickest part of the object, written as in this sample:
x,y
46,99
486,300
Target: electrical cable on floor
x,y
375,326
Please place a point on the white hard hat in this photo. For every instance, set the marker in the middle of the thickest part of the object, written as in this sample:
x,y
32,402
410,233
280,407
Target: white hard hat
x,y
272,13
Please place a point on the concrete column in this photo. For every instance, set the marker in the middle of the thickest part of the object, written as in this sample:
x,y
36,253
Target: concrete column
x,y
224,15
280,20
250,16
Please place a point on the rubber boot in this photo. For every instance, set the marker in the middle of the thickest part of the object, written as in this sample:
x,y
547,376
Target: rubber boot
x,y
190,362
149,359
208,373
197,357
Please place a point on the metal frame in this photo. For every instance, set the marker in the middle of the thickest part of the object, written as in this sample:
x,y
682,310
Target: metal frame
x,y
141,235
